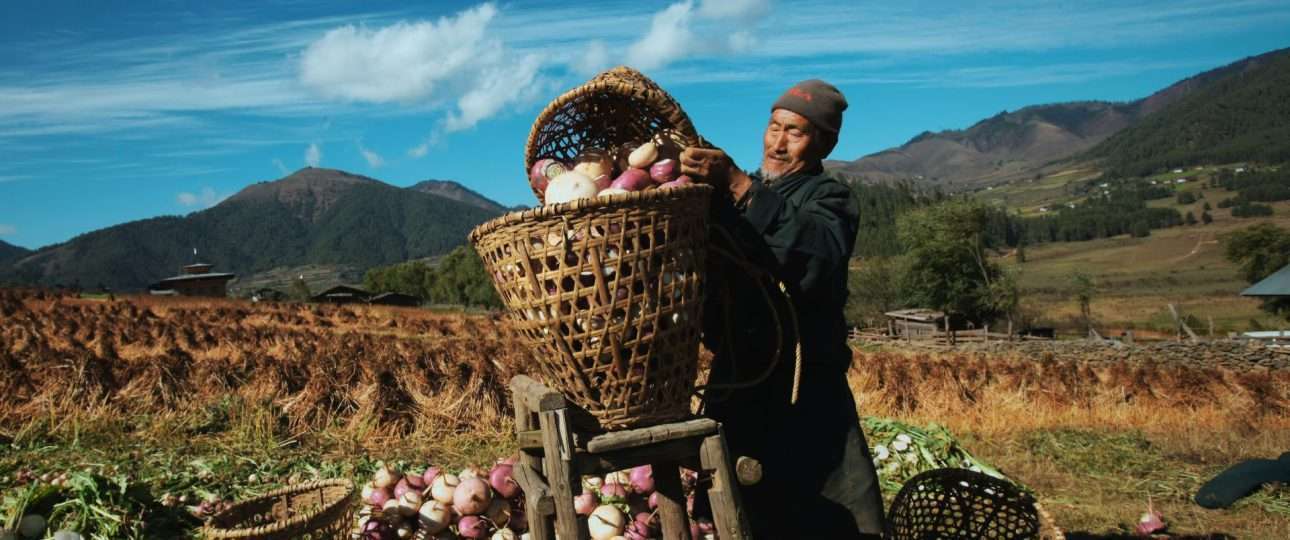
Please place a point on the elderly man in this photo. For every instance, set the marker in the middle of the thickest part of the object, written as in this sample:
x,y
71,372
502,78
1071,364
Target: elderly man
x,y
796,225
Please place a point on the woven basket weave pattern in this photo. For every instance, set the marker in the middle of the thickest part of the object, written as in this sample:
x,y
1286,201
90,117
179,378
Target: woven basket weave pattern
x,y
316,511
962,504
608,293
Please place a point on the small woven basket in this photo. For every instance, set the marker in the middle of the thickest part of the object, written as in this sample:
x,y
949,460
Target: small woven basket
x,y
608,294
956,504
314,510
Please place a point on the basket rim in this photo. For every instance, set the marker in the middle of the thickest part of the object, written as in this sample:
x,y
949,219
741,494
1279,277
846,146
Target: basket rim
x,y
586,203
293,521
600,81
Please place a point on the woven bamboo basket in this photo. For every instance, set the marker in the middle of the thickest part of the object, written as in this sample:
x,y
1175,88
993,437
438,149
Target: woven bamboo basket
x,y
314,510
608,294
956,504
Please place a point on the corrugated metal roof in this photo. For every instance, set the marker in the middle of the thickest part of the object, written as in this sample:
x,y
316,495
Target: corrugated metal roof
x,y
1277,284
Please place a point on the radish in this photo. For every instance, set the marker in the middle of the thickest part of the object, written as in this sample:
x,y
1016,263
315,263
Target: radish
x,y
543,171
443,487
643,155
472,527
501,479
471,497
606,522
434,516
664,171
584,504
632,180
642,479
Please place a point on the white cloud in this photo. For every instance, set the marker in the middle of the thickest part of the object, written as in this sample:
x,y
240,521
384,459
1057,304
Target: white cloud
x,y
7,230
206,199
374,160
594,59
681,30
497,86
733,9
419,150
282,167
313,155
668,39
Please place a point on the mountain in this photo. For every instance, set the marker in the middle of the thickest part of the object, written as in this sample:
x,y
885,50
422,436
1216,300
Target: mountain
x,y
1240,112
313,216
1013,145
457,192
9,251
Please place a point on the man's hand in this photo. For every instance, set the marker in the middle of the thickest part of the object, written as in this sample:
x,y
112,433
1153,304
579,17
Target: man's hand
x,y
714,167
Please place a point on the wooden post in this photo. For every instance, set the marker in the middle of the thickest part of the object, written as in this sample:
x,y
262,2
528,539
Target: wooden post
x,y
557,444
1128,336
1009,329
986,334
671,501
727,509
540,527
1211,327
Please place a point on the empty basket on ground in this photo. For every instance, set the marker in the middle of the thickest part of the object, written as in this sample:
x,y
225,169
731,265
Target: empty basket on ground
x,y
315,510
607,291
952,504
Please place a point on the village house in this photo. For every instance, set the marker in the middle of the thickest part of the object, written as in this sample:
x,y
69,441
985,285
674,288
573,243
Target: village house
x,y
195,279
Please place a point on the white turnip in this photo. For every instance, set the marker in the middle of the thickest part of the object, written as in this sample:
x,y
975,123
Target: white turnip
x,y
386,477
570,186
543,171
471,497
606,522
434,516
443,486
584,504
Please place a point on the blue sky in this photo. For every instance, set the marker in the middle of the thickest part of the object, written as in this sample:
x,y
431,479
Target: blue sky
x,y
115,111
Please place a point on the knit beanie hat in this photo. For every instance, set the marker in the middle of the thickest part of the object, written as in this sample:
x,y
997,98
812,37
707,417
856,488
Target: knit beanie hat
x,y
818,101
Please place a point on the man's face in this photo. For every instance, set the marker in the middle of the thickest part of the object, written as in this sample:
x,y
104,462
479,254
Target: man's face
x,y
791,144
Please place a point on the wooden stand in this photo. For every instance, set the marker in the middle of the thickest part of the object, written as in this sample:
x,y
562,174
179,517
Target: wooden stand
x,y
554,456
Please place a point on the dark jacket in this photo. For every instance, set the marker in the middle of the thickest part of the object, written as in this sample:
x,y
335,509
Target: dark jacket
x,y
799,231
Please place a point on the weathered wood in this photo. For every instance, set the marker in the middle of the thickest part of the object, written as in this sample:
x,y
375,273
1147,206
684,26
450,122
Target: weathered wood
x,y
536,487
677,450
671,501
536,395
540,526
530,439
650,435
558,445
727,509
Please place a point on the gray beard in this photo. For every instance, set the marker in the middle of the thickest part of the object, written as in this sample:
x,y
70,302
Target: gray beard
x,y
770,178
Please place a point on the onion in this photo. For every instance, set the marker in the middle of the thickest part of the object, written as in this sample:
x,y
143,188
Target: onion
x,y
606,522
502,479
642,479
443,487
379,496
570,186
632,180
543,171
472,527
613,492
643,155
584,504
471,497
386,477
499,512
409,503
664,171
434,516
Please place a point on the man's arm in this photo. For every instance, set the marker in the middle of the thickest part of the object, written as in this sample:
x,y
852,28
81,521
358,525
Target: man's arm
x,y
807,241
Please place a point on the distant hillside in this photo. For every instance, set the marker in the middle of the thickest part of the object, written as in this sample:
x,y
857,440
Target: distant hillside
x,y
457,192
1236,113
9,251
1015,145
313,216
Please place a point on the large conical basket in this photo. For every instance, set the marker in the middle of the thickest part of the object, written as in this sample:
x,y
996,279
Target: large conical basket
x,y
608,294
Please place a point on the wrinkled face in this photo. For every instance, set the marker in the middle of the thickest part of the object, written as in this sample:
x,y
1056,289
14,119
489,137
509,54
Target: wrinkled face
x,y
791,144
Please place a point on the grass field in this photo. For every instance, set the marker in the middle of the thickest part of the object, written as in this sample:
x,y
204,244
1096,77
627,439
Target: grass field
x,y
226,399
1138,277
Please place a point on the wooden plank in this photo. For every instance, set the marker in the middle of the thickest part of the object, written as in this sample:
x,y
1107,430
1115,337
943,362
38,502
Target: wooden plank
x,y
558,445
677,450
529,439
671,500
654,434
727,508
541,527
535,486
536,395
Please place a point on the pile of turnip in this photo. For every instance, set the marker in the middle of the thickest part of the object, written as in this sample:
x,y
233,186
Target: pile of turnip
x,y
432,503
623,505
636,166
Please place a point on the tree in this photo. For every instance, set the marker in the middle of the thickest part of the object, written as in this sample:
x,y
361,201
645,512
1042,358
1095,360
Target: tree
x,y
1186,197
1084,288
1140,229
300,290
1190,219
1206,207
1206,218
874,290
945,262
1021,250
1260,250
